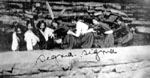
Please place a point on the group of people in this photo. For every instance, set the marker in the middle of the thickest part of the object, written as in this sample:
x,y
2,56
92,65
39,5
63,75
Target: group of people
x,y
108,28
42,36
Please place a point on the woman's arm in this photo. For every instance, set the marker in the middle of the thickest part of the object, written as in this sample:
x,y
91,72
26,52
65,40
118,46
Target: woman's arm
x,y
72,33
49,33
76,34
90,30
78,30
14,45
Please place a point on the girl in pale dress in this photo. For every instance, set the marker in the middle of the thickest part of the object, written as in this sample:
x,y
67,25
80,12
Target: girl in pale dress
x,y
30,38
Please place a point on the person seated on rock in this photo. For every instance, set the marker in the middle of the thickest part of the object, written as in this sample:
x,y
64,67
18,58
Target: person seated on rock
x,y
46,36
107,32
82,38
122,33
60,31
30,37
18,43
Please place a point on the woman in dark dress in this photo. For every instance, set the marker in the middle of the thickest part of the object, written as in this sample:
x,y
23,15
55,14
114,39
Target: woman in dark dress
x,y
18,42
108,37
46,36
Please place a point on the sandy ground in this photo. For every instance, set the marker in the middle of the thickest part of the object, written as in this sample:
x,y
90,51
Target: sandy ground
x,y
121,62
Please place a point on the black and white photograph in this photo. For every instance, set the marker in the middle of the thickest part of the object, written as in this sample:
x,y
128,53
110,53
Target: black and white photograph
x,y
74,38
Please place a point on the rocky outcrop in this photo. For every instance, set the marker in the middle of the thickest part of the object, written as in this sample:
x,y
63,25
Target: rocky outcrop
x,y
128,62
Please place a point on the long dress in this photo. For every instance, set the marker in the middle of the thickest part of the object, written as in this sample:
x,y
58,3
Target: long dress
x,y
47,39
123,35
18,42
108,38
42,43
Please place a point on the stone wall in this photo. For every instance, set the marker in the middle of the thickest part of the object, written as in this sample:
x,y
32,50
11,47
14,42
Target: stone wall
x,y
127,62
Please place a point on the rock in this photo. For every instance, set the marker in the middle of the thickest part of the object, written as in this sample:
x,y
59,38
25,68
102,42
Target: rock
x,y
127,61
109,75
140,22
142,73
143,29
9,19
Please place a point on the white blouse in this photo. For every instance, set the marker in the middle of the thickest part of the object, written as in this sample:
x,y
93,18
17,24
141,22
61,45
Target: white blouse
x,y
31,39
48,32
15,39
81,29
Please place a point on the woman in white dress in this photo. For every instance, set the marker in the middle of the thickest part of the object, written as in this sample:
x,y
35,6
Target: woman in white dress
x,y
30,38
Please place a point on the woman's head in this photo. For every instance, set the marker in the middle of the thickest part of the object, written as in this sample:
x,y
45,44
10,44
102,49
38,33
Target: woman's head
x,y
76,19
41,24
30,24
95,21
54,24
18,30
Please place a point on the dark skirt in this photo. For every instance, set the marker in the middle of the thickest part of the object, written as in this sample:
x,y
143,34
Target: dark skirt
x,y
103,41
42,43
51,44
83,41
125,39
109,41
22,43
